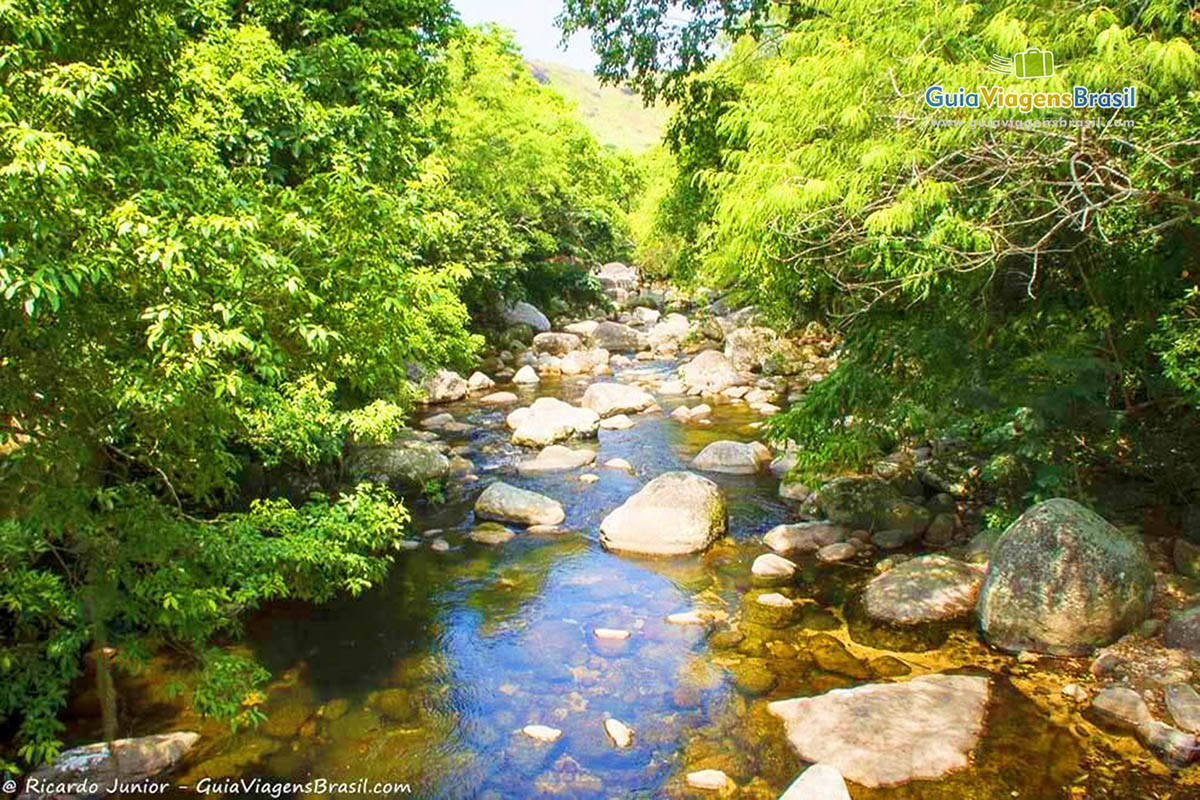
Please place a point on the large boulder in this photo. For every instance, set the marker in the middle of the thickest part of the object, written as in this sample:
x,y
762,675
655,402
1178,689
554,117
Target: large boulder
x,y
127,761
1062,580
504,503
748,348
926,589
522,313
668,332
410,465
677,512
607,399
550,420
556,344
887,734
579,362
443,386
868,502
738,458
709,372
615,336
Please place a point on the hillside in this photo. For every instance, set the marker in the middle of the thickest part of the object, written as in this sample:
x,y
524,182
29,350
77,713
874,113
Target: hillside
x,y
615,115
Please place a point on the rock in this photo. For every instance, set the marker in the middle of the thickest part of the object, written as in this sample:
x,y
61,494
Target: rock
x,y
556,458
578,362
550,420
888,667
1186,556
794,490
526,376
442,386
618,732
891,733
772,566
568,779
1183,703
979,549
437,421
954,473
751,677
135,760
615,336
712,780
619,422
619,463
479,382
676,513
672,387
832,656
504,503
748,348
612,634
818,782
772,610
556,344
1075,693
868,502
499,398
941,530
839,551
607,399
522,313
925,589
542,733
709,373
1183,631
804,536
668,332
737,458
439,545
1063,581
411,464
491,533
645,316
1173,747
784,463
1121,708
397,705
615,275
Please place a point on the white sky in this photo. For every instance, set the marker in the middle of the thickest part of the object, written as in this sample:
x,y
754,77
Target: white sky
x,y
533,22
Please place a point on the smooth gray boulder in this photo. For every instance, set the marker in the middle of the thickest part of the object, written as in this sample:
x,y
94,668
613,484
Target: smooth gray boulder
x,y
804,537
676,513
522,313
925,589
556,344
1063,581
710,372
737,458
410,464
887,734
772,566
502,502
615,336
608,399
127,761
443,386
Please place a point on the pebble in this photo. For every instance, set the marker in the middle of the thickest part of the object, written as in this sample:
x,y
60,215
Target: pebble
x,y
588,477
542,733
440,545
610,633
687,618
1073,691
619,463
620,733
1026,657
712,780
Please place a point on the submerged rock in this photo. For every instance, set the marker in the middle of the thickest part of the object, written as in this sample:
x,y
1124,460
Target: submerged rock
x,y
925,589
1062,580
676,513
505,503
892,733
738,458
491,533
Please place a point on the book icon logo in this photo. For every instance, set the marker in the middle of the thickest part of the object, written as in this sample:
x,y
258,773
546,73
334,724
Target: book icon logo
x,y
1031,63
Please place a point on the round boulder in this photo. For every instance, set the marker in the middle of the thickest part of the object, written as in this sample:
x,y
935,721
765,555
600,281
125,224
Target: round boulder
x,y
1063,581
676,513
607,399
504,503
738,458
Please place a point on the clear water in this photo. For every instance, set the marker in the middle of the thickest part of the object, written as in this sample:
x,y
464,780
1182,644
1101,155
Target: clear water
x,y
428,679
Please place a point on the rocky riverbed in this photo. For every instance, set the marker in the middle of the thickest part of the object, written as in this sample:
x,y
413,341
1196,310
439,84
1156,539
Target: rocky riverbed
x,y
613,590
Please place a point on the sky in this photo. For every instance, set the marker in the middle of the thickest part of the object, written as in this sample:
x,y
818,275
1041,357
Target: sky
x,y
533,21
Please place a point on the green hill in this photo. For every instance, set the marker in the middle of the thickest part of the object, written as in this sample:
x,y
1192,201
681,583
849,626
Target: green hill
x,y
614,114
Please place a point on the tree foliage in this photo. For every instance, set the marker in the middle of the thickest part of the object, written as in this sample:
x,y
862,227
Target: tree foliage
x,y
228,232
